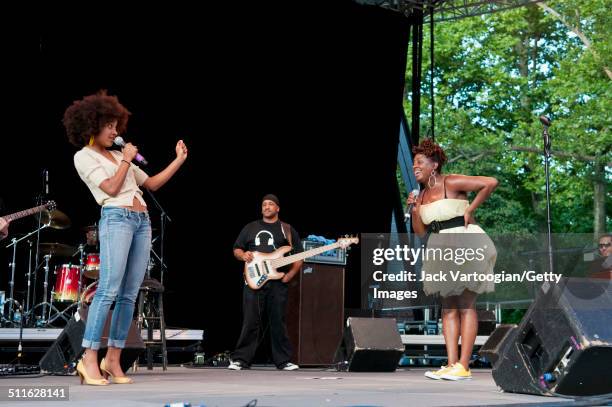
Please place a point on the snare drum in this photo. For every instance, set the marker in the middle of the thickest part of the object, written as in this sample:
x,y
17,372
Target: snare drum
x,y
66,283
92,266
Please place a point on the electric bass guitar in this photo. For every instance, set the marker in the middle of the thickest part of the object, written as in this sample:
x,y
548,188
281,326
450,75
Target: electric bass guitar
x,y
264,266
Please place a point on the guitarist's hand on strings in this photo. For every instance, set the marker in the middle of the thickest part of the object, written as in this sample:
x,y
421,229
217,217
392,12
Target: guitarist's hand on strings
x,y
247,257
3,228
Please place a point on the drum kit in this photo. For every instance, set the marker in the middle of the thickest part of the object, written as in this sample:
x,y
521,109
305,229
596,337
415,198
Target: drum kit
x,y
70,277
71,273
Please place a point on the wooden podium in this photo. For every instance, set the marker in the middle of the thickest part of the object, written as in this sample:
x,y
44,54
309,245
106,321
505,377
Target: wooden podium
x,y
315,313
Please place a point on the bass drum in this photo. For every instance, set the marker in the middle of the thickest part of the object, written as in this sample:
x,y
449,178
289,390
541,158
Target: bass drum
x,y
89,292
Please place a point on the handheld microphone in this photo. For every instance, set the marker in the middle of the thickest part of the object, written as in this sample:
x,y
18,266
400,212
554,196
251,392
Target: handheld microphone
x,y
415,193
121,143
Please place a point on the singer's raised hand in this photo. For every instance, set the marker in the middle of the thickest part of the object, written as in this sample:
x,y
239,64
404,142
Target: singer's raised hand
x,y
158,180
129,152
181,150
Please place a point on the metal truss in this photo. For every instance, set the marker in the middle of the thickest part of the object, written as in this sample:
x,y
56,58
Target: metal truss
x,y
446,10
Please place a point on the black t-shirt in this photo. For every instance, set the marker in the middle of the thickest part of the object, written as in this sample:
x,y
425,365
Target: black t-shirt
x,y
260,236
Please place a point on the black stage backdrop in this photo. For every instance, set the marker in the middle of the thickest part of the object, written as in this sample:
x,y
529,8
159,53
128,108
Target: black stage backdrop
x,y
301,100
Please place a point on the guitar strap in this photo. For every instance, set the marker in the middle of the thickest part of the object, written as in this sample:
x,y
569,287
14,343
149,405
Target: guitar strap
x,y
286,228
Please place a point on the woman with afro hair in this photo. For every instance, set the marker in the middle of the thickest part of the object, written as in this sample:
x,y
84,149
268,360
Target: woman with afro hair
x,y
443,215
92,124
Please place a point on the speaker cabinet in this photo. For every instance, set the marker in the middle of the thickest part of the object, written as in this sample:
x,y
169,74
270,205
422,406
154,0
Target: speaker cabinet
x,y
370,345
315,313
563,344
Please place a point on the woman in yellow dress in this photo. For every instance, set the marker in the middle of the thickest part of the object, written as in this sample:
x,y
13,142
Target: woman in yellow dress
x,y
444,216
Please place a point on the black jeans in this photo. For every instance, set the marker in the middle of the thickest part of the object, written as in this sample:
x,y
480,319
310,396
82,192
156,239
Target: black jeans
x,y
261,309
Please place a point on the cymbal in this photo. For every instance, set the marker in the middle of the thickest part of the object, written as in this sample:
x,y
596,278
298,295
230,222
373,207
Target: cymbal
x,y
56,219
57,249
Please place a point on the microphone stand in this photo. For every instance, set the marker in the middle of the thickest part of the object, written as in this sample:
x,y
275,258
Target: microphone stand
x,y
162,228
547,155
20,345
29,275
39,200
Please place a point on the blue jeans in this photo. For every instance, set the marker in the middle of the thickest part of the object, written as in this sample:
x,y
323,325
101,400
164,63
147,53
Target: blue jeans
x,y
125,243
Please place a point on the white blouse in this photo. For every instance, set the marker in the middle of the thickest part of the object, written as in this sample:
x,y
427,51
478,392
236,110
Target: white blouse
x,y
94,168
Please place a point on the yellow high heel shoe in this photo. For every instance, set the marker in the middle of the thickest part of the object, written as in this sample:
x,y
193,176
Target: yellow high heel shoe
x,y
88,380
115,379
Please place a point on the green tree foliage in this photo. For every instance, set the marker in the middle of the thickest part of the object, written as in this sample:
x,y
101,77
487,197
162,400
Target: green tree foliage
x,y
494,75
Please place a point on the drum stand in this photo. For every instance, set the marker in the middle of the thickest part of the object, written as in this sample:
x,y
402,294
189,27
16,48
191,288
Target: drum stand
x,y
26,311
45,320
81,251
77,304
60,314
13,265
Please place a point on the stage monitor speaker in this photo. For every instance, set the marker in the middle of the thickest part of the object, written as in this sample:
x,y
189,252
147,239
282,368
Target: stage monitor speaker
x,y
370,345
63,354
66,350
315,313
491,348
563,344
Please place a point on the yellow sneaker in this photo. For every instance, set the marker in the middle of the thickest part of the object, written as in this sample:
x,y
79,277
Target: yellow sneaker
x,y
436,375
457,372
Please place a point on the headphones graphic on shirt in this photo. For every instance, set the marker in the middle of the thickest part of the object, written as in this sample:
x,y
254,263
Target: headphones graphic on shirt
x,y
270,240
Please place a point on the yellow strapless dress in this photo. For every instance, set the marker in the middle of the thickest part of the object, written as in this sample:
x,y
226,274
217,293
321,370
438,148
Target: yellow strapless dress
x,y
458,239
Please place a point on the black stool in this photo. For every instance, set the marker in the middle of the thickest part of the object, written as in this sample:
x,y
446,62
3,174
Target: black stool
x,y
150,313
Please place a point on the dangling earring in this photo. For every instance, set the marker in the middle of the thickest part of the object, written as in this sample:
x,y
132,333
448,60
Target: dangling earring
x,y
432,175
91,140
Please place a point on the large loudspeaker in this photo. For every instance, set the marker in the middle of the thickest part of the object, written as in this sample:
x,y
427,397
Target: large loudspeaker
x,y
370,345
63,354
563,344
315,313
66,350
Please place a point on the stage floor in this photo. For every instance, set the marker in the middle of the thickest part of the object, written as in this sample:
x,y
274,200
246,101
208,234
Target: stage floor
x,y
305,387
